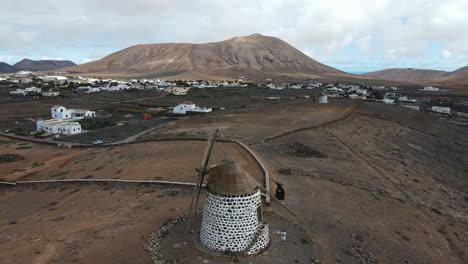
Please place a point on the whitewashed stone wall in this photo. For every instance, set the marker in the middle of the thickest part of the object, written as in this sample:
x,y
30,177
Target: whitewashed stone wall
x,y
262,240
230,222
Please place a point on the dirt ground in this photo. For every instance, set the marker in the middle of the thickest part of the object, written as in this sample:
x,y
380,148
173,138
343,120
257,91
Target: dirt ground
x,y
163,160
390,188
253,125
394,184
83,224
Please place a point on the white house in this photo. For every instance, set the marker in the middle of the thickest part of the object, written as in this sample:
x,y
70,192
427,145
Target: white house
x,y
88,89
414,107
50,93
296,86
334,89
58,127
191,107
440,109
61,112
430,89
29,90
177,90
54,78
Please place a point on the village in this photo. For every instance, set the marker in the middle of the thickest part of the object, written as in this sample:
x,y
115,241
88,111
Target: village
x,y
155,100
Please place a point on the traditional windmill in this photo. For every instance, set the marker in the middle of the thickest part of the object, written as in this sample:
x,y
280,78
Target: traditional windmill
x,y
232,215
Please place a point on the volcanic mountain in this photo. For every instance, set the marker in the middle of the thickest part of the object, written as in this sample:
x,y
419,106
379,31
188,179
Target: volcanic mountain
x,y
250,56
407,75
6,68
42,65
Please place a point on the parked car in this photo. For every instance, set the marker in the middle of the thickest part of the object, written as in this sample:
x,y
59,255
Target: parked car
x,y
97,142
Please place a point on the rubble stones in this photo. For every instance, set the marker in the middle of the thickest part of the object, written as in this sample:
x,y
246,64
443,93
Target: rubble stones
x,y
4,158
358,251
303,151
153,244
285,171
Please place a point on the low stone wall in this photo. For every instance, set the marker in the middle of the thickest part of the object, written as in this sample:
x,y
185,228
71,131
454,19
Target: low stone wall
x,y
153,245
101,182
261,242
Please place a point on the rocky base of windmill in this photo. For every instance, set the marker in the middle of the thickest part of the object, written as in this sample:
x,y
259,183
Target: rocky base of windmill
x,y
153,244
171,243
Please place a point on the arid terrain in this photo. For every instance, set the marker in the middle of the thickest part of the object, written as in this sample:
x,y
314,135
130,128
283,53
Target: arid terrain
x,y
371,183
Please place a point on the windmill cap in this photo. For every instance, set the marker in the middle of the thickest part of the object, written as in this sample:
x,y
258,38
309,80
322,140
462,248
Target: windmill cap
x,y
227,178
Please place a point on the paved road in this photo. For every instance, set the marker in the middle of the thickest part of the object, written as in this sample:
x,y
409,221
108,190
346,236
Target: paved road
x,y
70,144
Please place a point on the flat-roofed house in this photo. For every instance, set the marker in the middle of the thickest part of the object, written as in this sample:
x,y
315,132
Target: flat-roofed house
x,y
54,126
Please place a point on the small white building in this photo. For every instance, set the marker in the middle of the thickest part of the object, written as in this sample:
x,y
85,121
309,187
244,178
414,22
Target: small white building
x,y
26,91
61,113
177,90
334,89
53,126
190,107
54,78
323,99
50,93
430,89
389,101
414,107
295,86
441,109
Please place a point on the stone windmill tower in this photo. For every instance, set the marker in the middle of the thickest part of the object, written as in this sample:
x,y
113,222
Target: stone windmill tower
x,y
232,219
232,215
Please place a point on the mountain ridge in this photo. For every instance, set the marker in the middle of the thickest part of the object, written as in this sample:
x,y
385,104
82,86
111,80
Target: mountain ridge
x,y
405,74
35,65
42,65
459,76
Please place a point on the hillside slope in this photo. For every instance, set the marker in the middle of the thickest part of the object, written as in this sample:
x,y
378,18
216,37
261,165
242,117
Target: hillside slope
x,y
459,76
6,68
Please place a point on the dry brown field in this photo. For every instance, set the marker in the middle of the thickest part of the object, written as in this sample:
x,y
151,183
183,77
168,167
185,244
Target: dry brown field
x,y
392,186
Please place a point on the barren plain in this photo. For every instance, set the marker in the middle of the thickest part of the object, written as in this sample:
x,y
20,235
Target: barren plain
x,y
390,187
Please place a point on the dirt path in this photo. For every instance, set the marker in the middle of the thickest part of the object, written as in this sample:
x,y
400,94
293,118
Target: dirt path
x,y
134,100
346,115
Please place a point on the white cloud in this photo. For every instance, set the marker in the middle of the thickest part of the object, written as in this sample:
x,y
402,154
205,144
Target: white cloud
x,y
446,53
387,30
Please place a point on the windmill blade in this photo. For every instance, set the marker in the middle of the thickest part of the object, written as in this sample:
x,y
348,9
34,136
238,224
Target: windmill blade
x,y
201,174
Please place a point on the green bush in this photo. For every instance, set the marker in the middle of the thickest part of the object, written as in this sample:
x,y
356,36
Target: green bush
x,y
91,124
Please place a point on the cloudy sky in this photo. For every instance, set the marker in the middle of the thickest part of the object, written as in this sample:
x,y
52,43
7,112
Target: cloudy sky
x,y
351,35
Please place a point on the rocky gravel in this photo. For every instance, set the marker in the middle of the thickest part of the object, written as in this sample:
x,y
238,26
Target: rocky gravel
x,y
153,245
4,158
303,151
